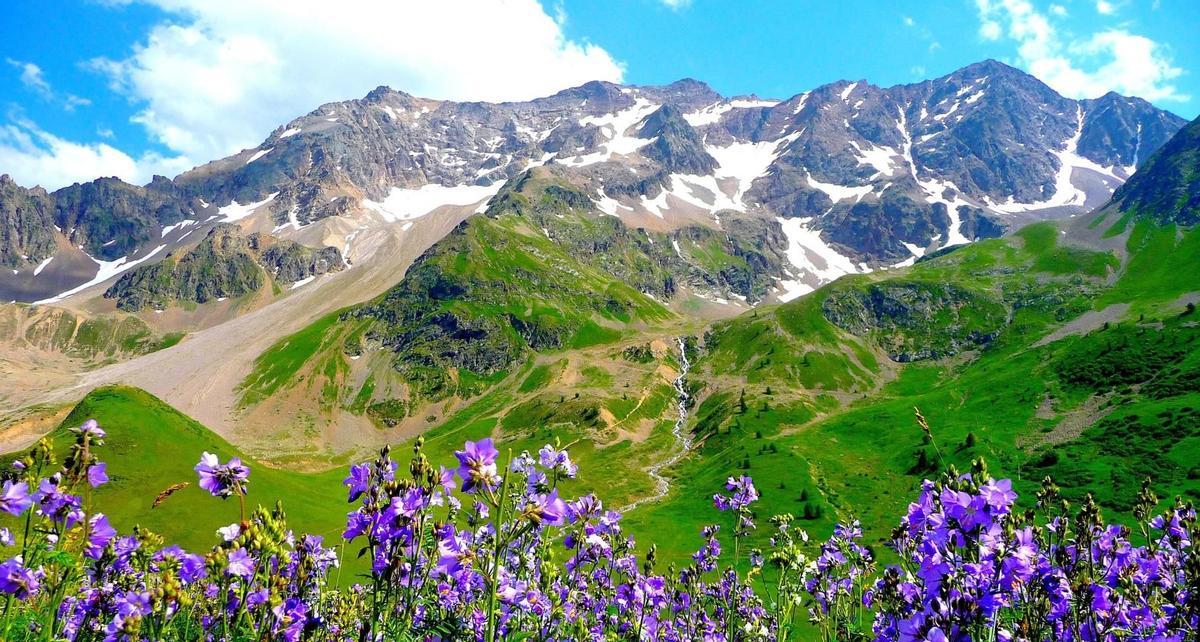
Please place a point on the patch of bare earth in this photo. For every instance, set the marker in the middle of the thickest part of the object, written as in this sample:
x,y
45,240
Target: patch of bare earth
x,y
1086,322
1073,422
25,428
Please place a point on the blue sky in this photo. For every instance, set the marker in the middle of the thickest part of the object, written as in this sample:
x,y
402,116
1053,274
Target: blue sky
x,y
136,87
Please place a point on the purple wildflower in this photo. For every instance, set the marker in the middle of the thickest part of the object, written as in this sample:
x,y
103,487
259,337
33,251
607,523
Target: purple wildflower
x,y
90,428
477,465
15,499
100,533
97,474
240,564
17,580
222,480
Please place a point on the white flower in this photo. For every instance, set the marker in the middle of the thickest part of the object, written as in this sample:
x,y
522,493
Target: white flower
x,y
231,532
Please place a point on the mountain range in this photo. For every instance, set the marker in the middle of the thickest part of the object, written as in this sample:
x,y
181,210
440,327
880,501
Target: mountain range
x,y
847,177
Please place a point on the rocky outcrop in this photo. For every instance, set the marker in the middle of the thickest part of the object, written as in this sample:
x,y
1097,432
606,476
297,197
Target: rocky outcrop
x,y
676,145
225,264
1123,130
26,224
290,262
915,320
110,218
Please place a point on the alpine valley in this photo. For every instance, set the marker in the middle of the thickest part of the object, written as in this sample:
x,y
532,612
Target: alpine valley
x,y
676,283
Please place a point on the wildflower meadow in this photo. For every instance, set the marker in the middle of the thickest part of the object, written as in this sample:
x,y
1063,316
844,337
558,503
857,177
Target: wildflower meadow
x,y
488,550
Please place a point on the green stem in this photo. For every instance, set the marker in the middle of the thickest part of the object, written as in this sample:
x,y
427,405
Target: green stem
x,y
495,579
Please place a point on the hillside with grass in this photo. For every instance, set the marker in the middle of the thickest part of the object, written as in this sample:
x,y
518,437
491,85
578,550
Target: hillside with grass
x,y
542,273
1038,356
151,449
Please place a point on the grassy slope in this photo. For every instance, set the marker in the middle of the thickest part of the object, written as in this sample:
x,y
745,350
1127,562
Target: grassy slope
x,y
861,460
151,446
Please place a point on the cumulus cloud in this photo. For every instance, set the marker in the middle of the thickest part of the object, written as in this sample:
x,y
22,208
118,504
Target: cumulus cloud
x,y
35,157
221,74
1105,8
1082,67
676,4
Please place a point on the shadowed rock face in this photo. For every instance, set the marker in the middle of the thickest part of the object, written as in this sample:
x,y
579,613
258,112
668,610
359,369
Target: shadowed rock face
x,y
225,264
1167,187
26,224
677,146
111,218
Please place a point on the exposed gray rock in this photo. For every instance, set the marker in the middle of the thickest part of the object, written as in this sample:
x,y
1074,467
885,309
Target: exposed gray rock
x,y
26,224
224,264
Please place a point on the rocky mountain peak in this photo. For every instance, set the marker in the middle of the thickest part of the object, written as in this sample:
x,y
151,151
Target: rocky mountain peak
x,y
676,144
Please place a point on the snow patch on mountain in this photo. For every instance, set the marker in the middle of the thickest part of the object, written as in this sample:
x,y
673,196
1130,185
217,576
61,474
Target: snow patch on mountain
x,y
305,281
935,192
106,270
408,204
236,212
707,115
259,154
615,126
746,162
878,157
812,256
838,192
745,103
176,226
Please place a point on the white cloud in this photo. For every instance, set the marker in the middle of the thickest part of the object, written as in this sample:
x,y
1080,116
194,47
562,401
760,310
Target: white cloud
x,y
908,21
72,101
33,78
35,157
223,73
990,30
1058,10
676,4
1105,8
1084,67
